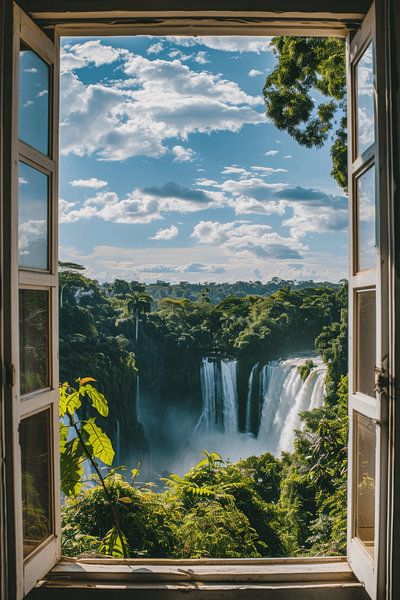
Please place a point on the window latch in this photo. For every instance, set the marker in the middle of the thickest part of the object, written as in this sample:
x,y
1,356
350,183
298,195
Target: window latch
x,y
7,375
381,381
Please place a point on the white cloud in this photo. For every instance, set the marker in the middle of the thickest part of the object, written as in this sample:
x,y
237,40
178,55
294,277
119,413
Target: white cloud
x,y
155,48
226,43
201,58
166,234
247,240
288,156
31,70
272,153
254,73
183,154
141,205
158,101
92,52
93,182
267,170
235,170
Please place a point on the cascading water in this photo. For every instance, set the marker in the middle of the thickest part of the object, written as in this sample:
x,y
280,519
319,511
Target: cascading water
x,y
249,400
285,395
229,395
276,394
219,394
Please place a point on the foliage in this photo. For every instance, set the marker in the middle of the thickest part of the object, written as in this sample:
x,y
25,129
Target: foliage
x,y
83,441
261,506
305,93
305,370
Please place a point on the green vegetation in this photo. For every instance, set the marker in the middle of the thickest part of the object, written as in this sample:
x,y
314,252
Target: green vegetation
x,y
260,506
305,369
304,92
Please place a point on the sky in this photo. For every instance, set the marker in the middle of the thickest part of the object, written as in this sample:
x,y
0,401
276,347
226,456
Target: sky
x,y
171,170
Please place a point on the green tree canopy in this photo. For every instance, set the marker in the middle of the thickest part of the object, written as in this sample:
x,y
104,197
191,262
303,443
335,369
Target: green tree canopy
x,y
305,93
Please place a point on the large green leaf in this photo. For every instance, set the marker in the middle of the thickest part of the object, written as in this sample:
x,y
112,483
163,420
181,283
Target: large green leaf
x,y
63,437
69,402
100,442
97,399
113,544
71,468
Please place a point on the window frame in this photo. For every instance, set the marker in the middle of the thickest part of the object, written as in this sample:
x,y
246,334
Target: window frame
x,y
27,571
80,29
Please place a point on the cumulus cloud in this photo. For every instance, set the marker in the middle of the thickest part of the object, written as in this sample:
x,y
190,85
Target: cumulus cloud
x,y
155,48
175,190
156,100
272,153
183,154
314,211
225,43
92,52
194,267
166,234
254,73
247,239
93,182
141,205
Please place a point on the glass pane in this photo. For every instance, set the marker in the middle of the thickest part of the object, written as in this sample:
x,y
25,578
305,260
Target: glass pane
x,y
365,100
366,342
33,100
367,250
365,481
33,340
33,218
36,489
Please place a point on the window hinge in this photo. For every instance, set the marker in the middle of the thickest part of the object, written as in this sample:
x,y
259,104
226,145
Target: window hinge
x,y
7,375
381,381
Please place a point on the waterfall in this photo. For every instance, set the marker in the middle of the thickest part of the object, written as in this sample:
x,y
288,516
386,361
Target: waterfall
x,y
219,393
229,395
285,395
274,397
139,412
250,400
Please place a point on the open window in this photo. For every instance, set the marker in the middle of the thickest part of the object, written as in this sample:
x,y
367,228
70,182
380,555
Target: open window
x,y
368,299
31,313
31,234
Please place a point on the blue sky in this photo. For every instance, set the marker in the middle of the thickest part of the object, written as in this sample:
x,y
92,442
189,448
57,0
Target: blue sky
x,y
170,169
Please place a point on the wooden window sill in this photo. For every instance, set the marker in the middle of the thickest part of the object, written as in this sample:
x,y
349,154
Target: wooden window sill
x,y
308,578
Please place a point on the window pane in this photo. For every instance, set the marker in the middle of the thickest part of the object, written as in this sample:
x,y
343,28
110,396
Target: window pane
x,y
367,251
365,481
33,340
33,100
33,218
36,489
366,342
365,100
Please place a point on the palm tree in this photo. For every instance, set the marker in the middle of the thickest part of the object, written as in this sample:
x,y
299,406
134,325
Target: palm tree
x,y
137,303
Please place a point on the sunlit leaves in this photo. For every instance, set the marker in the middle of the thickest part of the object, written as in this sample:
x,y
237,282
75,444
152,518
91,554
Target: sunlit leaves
x,y
64,429
71,461
69,400
114,543
97,399
99,442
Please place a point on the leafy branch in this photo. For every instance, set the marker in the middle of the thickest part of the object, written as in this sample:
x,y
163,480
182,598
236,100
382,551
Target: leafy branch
x,y
84,441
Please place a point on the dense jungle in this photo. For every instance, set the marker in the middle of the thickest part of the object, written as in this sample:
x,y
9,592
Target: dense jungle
x,y
261,505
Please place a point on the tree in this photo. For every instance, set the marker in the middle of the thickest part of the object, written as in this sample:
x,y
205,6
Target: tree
x,y
137,303
305,93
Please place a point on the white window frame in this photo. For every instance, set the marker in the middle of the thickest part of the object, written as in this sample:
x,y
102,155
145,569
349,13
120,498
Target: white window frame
x,y
46,557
